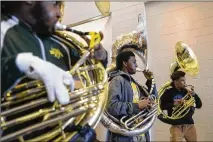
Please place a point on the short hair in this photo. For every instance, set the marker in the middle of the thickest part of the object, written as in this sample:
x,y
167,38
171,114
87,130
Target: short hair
x,y
177,75
123,57
126,46
9,6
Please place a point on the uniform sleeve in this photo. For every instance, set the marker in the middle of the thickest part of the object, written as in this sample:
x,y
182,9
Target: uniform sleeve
x,y
74,55
9,71
105,61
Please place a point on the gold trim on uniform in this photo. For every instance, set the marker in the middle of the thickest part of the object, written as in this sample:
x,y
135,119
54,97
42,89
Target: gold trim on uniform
x,y
56,52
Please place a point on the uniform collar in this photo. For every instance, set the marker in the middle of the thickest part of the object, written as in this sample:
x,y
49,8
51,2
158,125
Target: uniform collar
x,y
22,23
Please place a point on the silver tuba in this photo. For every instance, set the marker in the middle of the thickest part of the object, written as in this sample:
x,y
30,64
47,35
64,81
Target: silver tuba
x,y
141,122
26,110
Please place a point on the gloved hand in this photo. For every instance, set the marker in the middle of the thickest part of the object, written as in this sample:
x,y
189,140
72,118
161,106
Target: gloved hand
x,y
52,76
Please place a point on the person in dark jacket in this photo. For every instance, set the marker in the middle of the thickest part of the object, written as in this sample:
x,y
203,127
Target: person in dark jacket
x,y
28,49
125,94
183,127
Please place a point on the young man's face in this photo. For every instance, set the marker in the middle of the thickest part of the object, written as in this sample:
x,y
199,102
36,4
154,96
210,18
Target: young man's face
x,y
46,13
180,83
131,65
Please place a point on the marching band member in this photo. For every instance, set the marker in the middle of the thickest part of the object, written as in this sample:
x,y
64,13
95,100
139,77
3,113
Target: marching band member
x,y
125,93
27,48
183,127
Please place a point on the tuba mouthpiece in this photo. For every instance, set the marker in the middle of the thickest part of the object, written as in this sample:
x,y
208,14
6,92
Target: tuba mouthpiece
x,y
59,26
139,70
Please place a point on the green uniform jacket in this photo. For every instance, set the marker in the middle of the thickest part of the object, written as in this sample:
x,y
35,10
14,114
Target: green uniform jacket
x,y
17,37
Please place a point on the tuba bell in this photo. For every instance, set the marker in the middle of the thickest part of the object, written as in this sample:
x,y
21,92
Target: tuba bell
x,y
186,61
26,110
141,122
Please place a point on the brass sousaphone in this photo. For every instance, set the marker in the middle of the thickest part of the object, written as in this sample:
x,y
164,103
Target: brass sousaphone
x,y
139,123
186,61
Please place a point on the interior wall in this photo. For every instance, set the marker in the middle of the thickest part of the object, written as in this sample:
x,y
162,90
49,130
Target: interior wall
x,y
123,19
78,11
191,22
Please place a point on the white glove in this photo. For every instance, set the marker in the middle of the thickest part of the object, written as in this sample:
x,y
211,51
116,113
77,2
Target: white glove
x,y
52,76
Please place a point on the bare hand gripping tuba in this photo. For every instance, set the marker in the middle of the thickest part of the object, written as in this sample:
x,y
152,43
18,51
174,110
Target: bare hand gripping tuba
x,y
26,110
141,122
186,61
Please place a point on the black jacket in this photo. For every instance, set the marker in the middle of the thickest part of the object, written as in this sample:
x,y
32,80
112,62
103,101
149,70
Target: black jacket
x,y
167,103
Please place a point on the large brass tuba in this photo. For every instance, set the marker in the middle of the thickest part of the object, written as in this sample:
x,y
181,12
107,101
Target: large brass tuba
x,y
141,122
26,110
186,61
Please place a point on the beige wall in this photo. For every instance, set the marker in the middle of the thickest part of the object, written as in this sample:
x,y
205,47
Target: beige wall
x,y
123,18
191,22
